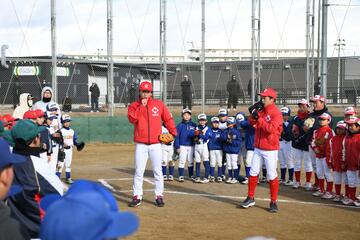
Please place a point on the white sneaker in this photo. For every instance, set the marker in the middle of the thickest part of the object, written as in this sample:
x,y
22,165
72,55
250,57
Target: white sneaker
x,y
234,180
165,178
205,180
212,179
348,202
245,181
263,180
170,178
91,111
328,195
289,183
358,197
219,179
229,180
357,203
97,110
337,198
197,180
181,179
223,177
318,193
308,186
296,185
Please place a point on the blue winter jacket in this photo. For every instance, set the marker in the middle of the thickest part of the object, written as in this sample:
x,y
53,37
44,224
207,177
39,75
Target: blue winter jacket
x,y
185,134
249,134
204,137
235,146
215,142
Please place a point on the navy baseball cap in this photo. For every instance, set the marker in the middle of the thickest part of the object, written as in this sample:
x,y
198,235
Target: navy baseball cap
x,y
91,211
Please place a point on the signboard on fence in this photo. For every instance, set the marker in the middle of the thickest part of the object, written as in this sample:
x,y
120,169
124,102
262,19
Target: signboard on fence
x,y
26,71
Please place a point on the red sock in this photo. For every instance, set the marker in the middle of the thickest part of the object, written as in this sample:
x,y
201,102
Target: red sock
x,y
338,189
352,192
308,176
321,184
252,185
329,186
297,176
346,190
316,180
274,189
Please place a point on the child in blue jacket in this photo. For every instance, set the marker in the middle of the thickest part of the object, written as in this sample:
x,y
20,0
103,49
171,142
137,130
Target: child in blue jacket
x,y
216,150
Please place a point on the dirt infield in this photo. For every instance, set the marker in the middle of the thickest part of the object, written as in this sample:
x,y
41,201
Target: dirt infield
x,y
208,211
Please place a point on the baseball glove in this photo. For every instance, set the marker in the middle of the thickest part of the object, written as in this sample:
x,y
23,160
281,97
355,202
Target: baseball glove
x,y
61,155
80,146
166,138
309,122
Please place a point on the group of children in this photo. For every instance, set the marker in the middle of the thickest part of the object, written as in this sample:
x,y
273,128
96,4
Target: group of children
x,y
332,156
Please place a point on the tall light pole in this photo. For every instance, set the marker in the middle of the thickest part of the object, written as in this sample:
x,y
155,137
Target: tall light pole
x,y
323,90
163,62
255,47
53,50
339,44
203,56
110,62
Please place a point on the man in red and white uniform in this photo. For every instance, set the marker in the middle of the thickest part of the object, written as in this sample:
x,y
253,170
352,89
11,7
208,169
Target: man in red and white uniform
x,y
268,127
148,115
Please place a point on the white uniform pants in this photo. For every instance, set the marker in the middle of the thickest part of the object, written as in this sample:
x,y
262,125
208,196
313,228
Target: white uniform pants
x,y
67,161
269,158
186,153
352,178
249,156
313,158
201,152
301,156
285,155
231,161
54,158
167,154
339,177
322,170
216,157
142,153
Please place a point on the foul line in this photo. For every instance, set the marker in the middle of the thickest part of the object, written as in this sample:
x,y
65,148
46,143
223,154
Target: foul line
x,y
111,188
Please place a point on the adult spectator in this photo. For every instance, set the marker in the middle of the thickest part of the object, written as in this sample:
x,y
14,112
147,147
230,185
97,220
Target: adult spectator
x,y
267,121
94,96
186,94
25,104
93,212
33,175
148,115
319,107
233,88
47,103
133,90
9,227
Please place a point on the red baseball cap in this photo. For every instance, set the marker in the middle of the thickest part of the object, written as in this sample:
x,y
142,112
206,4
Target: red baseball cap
x,y
341,124
39,113
352,120
145,86
317,98
30,114
350,111
304,102
269,92
7,118
325,116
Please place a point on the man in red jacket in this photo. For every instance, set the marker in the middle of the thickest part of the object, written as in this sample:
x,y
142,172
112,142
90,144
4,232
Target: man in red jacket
x,y
267,121
148,115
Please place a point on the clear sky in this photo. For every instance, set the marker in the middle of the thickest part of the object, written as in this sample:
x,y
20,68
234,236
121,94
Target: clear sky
x,y
81,25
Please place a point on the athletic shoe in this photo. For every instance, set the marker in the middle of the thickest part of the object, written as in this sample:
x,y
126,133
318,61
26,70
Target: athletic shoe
x,y
223,177
315,188
192,178
165,178
69,181
212,179
328,195
205,180
248,202
263,180
245,181
337,198
358,197
91,111
234,181
197,180
135,202
181,179
229,180
308,186
159,202
273,207
219,179
289,183
170,178
344,200
357,203
281,181
318,193
296,185
348,202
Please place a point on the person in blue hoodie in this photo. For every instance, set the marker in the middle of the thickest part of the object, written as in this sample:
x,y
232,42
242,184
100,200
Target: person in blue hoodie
x,y
216,150
201,140
244,124
231,138
184,144
285,153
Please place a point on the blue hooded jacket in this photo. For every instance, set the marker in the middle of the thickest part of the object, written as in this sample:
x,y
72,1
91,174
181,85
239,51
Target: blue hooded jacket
x,y
215,142
185,134
249,134
235,146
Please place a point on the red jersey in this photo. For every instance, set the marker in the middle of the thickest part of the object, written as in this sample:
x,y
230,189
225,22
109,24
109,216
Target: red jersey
x,y
268,128
148,120
319,140
335,152
352,151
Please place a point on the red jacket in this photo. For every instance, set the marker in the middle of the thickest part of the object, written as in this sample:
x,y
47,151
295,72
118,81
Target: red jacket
x,y
352,151
268,128
335,152
148,120
320,138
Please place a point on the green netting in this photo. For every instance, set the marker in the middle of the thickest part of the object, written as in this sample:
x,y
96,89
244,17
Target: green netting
x,y
113,129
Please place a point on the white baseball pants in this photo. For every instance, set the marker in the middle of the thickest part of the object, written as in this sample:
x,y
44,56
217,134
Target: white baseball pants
x,y
285,155
339,177
301,156
231,161
352,178
201,152
67,161
269,158
248,159
313,158
142,153
54,158
216,157
167,154
186,153
322,169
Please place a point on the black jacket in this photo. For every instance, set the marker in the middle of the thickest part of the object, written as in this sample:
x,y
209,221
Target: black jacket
x,y
9,227
95,91
186,87
233,88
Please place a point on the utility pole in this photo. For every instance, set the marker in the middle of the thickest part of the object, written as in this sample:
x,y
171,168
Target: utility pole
x,y
203,56
339,44
255,48
309,71
110,62
323,89
163,62
53,51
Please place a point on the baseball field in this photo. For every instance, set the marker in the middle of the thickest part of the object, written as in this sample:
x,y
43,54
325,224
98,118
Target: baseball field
x,y
208,211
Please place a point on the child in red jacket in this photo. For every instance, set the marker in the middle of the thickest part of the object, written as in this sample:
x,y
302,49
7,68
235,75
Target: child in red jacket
x,y
334,158
352,158
320,138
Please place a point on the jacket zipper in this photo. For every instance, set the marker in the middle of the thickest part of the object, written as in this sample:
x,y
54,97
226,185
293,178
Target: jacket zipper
x,y
147,111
